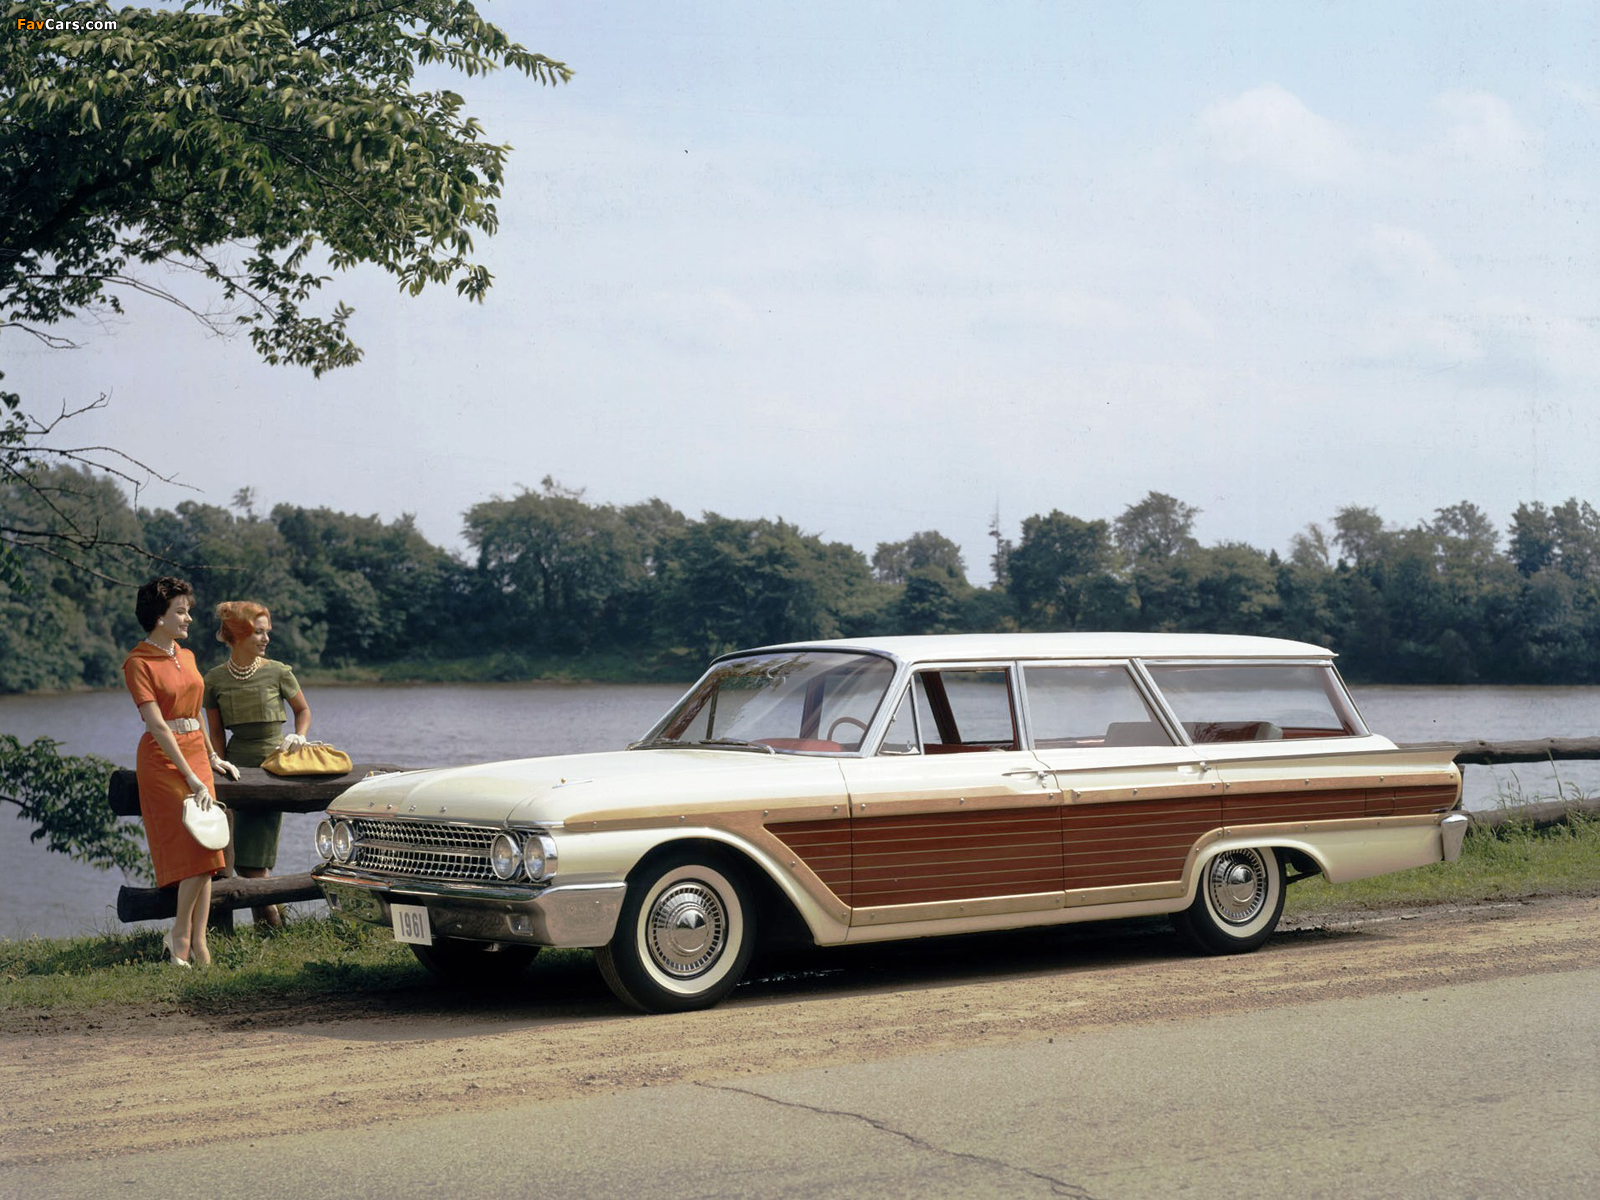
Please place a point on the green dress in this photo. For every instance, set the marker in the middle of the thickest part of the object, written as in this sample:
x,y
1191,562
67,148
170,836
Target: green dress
x,y
253,714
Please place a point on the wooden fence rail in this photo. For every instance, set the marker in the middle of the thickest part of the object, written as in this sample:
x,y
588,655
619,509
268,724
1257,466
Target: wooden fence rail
x,y
1481,753
257,791
254,791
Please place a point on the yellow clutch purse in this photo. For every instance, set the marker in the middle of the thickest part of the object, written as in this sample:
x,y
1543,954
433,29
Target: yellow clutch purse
x,y
313,758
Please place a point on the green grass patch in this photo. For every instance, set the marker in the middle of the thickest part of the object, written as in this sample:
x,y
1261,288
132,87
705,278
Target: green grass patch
x,y
310,958
1513,862
313,964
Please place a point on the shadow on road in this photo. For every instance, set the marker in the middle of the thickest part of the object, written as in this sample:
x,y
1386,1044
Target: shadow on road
x,y
565,987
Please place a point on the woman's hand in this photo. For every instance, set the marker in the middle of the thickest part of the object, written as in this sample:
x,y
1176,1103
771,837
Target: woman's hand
x,y
222,765
202,795
291,741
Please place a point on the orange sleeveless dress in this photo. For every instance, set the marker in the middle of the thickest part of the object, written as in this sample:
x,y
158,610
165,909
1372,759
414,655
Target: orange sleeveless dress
x,y
175,684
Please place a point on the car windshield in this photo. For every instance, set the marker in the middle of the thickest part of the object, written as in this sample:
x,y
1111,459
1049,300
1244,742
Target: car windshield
x,y
793,701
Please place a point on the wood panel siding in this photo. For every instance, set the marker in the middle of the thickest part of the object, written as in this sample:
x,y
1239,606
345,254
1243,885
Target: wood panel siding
x,y
1412,801
824,846
1271,808
916,859
956,856
1137,841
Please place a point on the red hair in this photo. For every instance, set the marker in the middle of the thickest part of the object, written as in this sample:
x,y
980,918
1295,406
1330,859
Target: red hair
x,y
237,619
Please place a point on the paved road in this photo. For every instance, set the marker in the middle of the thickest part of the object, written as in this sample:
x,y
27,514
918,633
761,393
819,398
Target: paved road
x,y
1485,1088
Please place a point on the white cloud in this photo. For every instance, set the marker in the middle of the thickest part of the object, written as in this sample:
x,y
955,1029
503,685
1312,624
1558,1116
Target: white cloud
x,y
1483,130
1581,94
1271,127
1404,256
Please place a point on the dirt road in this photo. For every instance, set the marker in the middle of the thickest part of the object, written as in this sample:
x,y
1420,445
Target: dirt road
x,y
170,1080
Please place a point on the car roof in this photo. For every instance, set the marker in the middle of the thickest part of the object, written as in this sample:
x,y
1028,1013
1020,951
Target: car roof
x,y
961,647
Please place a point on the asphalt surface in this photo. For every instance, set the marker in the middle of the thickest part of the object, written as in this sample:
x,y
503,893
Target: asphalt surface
x,y
1481,1088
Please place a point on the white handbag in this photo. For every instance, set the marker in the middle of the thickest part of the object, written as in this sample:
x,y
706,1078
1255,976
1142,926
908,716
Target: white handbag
x,y
208,826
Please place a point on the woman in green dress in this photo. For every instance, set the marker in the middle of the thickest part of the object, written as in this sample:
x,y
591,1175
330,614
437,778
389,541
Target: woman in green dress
x,y
246,696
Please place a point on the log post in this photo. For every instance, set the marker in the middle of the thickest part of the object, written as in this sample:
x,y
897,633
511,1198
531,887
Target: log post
x,y
227,894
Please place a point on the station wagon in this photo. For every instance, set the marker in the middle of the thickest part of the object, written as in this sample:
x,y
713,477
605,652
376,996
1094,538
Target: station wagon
x,y
873,789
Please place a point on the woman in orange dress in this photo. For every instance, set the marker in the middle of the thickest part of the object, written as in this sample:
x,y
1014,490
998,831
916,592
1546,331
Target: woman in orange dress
x,y
175,759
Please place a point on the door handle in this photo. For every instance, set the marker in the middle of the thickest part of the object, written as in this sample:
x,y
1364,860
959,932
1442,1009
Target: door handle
x,y
1046,778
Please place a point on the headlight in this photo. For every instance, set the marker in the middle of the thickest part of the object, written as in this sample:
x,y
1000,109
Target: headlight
x,y
505,856
325,840
344,841
539,856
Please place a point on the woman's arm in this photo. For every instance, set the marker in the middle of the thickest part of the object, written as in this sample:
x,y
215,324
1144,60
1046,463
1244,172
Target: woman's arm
x,y
219,735
302,713
213,728
218,763
158,729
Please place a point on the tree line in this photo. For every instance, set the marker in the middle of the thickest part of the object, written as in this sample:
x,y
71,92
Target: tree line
x,y
553,577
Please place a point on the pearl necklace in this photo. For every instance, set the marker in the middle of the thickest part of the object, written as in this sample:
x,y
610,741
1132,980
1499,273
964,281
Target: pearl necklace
x,y
243,673
170,651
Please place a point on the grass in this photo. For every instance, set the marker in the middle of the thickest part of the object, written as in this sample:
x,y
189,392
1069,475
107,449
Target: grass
x,y
315,964
308,960
1512,862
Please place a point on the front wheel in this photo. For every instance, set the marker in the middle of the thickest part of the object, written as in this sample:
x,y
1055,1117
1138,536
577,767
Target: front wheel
x,y
1237,904
684,937
456,961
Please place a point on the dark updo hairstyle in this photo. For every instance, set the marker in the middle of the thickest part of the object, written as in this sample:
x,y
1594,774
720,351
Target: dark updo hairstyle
x,y
156,597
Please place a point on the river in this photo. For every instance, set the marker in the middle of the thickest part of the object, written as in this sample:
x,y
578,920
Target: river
x,y
48,895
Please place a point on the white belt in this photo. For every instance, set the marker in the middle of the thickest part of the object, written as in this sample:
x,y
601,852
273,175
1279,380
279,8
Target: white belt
x,y
184,725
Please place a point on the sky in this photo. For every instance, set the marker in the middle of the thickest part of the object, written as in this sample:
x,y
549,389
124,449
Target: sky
x,y
877,268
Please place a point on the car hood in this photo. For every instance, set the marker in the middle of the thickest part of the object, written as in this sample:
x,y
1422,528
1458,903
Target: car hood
x,y
552,790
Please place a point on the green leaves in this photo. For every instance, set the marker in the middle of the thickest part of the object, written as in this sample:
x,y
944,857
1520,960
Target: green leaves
x,y
271,123
65,798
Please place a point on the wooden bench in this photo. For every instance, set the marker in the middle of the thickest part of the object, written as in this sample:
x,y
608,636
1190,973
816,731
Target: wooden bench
x,y
254,791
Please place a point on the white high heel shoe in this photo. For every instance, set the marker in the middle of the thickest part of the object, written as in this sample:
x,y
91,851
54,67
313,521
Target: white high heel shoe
x,y
166,944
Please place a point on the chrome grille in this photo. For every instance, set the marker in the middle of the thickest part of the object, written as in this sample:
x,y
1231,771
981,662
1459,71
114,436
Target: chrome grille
x,y
423,849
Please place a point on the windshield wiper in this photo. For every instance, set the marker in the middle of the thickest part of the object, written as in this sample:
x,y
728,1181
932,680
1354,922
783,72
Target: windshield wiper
x,y
740,744
711,743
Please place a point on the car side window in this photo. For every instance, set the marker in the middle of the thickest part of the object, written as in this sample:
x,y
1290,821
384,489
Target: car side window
x,y
1251,703
1072,706
901,736
966,710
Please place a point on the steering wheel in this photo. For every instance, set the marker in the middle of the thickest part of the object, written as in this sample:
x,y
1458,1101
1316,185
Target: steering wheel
x,y
832,729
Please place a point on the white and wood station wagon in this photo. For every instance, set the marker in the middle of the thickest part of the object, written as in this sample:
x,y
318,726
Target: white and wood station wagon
x,y
862,790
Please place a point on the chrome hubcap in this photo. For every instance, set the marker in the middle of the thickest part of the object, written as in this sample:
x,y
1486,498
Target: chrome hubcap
x,y
687,929
1236,883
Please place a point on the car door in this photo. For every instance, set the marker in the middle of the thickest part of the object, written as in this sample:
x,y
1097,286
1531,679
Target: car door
x,y
952,817
1134,798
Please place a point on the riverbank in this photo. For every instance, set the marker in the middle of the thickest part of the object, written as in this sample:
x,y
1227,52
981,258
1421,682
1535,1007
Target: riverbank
x,y
613,667
317,967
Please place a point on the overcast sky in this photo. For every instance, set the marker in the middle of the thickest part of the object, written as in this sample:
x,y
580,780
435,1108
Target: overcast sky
x,y
877,268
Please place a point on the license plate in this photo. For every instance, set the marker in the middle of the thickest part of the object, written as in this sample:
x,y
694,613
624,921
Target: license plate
x,y
411,924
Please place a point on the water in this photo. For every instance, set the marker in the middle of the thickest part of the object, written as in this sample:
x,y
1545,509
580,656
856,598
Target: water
x,y
49,895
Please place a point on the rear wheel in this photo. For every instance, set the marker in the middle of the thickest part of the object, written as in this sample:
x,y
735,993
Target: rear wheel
x,y
684,937
1237,904
456,961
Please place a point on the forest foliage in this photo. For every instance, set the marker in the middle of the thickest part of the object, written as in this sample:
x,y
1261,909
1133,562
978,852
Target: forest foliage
x,y
553,577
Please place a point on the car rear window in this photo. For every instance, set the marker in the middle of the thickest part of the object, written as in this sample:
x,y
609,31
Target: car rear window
x,y
1247,703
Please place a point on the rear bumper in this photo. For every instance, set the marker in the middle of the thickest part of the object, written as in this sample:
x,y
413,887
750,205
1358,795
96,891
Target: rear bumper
x,y
1452,832
580,915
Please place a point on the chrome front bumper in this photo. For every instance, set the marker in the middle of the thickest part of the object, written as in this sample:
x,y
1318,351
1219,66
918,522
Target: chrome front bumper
x,y
582,914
